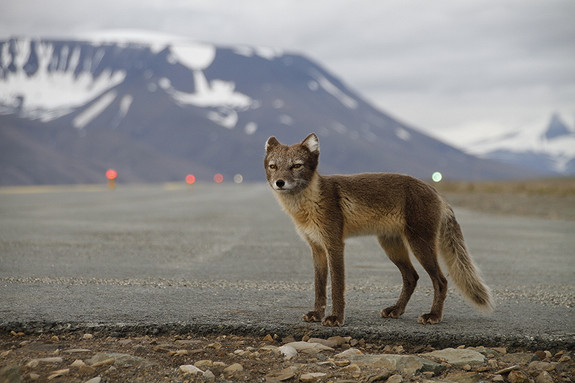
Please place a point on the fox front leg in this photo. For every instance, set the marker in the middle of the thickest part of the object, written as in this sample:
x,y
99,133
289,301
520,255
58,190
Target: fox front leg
x,y
320,282
337,270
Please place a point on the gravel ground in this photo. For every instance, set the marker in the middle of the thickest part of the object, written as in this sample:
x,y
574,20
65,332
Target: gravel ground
x,y
229,358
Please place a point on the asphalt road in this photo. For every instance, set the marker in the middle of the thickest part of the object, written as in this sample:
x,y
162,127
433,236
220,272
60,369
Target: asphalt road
x,y
225,258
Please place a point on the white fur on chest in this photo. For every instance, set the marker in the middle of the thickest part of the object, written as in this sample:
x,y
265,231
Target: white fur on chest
x,y
306,215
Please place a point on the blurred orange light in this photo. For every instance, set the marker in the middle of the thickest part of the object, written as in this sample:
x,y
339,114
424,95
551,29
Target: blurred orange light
x,y
190,179
111,174
218,178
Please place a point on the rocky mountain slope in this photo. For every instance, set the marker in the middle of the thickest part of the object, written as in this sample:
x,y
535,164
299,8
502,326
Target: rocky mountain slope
x,y
158,110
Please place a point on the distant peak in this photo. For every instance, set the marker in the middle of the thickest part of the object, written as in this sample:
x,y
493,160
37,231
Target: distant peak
x,y
556,128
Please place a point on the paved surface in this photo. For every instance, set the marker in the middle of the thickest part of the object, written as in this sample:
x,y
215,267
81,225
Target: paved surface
x,y
219,258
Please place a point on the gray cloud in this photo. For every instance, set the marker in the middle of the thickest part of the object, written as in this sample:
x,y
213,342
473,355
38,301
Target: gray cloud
x,y
443,67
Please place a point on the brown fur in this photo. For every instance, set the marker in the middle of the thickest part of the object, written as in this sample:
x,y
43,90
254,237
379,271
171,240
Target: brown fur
x,y
399,210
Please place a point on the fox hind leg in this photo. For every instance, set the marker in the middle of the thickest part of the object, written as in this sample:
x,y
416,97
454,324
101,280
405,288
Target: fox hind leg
x,y
424,248
397,252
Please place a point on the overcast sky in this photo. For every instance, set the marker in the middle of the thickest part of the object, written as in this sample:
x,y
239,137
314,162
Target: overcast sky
x,y
451,68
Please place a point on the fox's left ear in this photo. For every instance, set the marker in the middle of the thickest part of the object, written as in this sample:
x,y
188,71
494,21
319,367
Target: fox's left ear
x,y
312,143
271,142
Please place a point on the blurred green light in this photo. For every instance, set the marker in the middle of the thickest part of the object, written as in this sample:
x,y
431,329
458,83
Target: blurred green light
x,y
436,177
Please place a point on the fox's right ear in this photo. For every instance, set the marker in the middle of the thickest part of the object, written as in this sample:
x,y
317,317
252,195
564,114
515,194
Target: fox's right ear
x,y
312,143
271,142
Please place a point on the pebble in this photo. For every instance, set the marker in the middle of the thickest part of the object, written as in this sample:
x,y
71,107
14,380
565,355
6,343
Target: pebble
x,y
268,338
395,379
35,362
492,363
76,350
349,352
283,375
541,366
233,369
544,377
58,373
97,379
311,377
507,369
518,357
309,348
463,377
209,376
204,363
288,351
458,357
78,363
215,345
517,376
352,369
341,362
189,369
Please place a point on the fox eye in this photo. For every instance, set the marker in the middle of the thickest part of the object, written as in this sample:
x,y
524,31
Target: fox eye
x,y
272,166
297,166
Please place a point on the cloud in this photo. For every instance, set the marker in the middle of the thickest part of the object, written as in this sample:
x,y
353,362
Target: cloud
x,y
440,66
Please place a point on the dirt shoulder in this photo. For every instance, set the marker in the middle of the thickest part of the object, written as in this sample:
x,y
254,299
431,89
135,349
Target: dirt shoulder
x,y
546,198
229,358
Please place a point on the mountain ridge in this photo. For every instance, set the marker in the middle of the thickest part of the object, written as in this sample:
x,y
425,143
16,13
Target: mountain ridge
x,y
548,148
158,111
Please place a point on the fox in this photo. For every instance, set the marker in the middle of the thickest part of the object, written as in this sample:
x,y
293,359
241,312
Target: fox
x,y
403,212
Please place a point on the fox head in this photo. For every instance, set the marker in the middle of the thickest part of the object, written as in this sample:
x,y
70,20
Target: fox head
x,y
290,169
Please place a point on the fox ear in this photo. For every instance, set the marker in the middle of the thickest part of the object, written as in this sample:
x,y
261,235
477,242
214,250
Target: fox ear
x,y
271,142
312,143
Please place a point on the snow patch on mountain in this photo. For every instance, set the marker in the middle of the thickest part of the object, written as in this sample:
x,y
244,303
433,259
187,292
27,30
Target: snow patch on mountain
x,y
60,82
402,134
264,52
194,56
228,118
332,89
250,128
94,110
211,94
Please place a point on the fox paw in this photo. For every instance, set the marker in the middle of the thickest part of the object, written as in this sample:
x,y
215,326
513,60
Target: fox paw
x,y
429,318
392,312
312,316
332,321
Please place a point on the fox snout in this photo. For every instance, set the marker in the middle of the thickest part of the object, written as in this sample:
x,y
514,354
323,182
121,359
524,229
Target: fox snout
x,y
281,185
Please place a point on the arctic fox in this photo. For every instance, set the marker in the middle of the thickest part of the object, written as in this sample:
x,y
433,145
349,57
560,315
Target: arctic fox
x,y
402,211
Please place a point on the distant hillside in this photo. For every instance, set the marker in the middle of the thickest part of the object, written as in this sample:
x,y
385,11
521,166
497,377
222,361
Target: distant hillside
x,y
69,110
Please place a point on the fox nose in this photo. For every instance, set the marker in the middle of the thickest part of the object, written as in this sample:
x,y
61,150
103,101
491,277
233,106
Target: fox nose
x,y
280,183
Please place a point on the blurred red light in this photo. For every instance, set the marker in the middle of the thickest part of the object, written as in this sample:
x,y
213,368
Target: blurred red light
x,y
111,174
218,178
190,179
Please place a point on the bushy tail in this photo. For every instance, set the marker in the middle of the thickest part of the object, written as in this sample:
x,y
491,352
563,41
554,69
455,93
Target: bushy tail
x,y
462,270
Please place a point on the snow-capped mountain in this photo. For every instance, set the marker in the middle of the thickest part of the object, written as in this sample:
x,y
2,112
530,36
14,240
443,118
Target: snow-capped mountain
x,y
549,149
159,109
